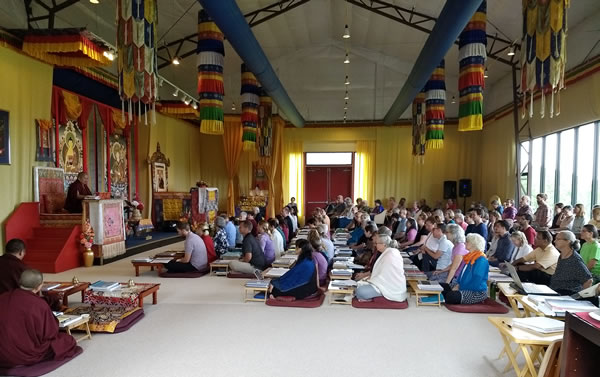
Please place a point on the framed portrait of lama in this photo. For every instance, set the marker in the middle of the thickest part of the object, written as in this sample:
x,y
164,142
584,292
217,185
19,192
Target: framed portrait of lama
x,y
159,167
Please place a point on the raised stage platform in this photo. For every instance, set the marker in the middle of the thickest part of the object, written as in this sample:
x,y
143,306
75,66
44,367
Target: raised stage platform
x,y
136,245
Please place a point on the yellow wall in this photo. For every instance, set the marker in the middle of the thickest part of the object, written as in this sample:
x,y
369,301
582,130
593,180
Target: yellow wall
x,y
26,92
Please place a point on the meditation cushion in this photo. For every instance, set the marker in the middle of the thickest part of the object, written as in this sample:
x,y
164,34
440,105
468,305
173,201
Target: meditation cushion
x,y
240,275
379,303
128,322
194,274
313,301
487,306
38,369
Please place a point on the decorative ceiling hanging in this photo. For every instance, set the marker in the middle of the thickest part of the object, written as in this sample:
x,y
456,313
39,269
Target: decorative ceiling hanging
x,y
265,111
544,51
419,126
211,59
472,54
65,47
137,25
250,101
178,109
435,99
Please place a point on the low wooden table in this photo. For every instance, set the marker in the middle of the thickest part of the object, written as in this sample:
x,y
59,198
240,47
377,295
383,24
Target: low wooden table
x,y
219,264
111,298
513,298
138,264
340,291
253,291
83,321
531,345
71,290
421,293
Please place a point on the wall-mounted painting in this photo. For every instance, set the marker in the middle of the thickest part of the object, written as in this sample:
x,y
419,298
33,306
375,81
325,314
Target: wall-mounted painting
x,y
4,139
118,165
160,177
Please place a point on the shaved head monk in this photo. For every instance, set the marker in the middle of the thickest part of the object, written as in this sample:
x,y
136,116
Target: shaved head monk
x,y
78,190
28,329
11,265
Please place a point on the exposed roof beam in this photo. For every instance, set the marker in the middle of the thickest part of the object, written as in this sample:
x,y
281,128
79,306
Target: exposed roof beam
x,y
425,23
51,9
254,18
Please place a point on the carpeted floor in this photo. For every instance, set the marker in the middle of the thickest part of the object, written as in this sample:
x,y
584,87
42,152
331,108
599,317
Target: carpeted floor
x,y
201,327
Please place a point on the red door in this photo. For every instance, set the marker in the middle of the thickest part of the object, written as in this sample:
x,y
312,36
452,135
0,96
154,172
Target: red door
x,y
324,183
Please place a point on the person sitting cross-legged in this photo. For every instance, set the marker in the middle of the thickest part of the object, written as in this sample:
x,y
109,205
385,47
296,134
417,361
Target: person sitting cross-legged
x,y
253,257
504,246
28,328
456,235
572,275
300,281
438,258
195,258
545,257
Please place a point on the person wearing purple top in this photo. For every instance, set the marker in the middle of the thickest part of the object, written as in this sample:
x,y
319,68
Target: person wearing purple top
x,y
510,212
456,235
195,258
265,241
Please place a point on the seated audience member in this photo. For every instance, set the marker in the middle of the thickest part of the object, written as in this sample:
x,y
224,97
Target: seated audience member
x,y
459,219
449,216
478,226
524,206
411,232
211,254
571,275
496,206
220,239
579,221
387,277
250,217
257,215
456,235
294,216
504,246
355,222
471,285
427,227
284,228
590,251
440,259
431,245
524,222
253,257
566,221
265,241
378,208
359,231
318,255
285,213
11,265
595,220
400,230
195,258
422,233
364,248
301,280
543,215
29,329
510,212
414,209
238,235
324,218
328,247
277,237
493,217
450,204
78,190
545,257
366,272
230,230
558,215
522,247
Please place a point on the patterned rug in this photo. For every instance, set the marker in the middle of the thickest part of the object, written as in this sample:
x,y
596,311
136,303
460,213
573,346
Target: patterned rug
x,y
103,318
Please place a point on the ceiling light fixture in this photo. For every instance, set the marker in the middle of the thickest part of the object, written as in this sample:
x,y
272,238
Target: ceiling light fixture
x,y
346,32
347,60
346,106
347,82
511,51
176,92
95,1
187,100
175,60
233,106
109,55
195,105
161,81
453,99
485,73
347,97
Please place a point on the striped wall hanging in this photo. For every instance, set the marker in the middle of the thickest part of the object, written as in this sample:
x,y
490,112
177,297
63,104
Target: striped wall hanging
x,y
435,113
250,101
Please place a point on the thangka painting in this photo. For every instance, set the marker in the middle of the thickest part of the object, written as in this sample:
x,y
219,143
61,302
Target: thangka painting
x,y
160,177
259,176
119,179
45,140
4,139
208,202
71,151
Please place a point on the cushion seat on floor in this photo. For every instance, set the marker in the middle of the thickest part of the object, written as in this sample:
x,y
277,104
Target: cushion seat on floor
x,y
191,275
38,369
240,275
313,301
128,322
379,303
487,306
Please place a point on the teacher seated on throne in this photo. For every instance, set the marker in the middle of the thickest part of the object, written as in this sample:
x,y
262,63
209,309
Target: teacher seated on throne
x,y
78,190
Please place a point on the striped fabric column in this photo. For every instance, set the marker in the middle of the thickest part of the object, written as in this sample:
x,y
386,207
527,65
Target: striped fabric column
x,y
472,54
210,60
419,126
265,142
250,101
435,110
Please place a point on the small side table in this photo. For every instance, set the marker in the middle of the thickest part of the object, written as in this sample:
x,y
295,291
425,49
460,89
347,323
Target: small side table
x,y
335,293
253,292
83,321
421,293
218,265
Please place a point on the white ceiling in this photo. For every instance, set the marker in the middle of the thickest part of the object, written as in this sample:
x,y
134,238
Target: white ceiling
x,y
306,49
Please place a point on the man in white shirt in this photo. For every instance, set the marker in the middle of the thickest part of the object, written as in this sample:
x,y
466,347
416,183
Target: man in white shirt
x,y
437,251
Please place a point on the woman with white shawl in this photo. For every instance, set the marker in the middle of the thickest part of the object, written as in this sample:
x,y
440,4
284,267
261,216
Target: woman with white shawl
x,y
387,277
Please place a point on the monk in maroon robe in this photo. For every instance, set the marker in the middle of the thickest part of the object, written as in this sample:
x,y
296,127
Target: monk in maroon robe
x,y
11,265
28,329
78,190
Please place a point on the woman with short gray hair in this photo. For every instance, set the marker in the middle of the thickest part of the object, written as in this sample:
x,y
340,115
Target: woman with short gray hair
x,y
456,235
571,275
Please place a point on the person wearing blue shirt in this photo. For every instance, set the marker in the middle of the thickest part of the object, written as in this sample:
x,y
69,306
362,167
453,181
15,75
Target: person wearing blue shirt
x,y
359,230
231,232
478,226
504,246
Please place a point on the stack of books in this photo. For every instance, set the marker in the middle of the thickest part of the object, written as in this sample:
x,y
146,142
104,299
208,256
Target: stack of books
x,y
343,283
66,319
161,260
559,305
341,272
257,284
105,286
426,285
343,252
276,272
541,325
284,261
145,260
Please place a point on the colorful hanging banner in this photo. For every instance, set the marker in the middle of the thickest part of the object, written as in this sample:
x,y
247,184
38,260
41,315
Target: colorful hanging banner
x,y
65,47
419,126
250,101
435,110
544,52
265,130
472,54
137,25
210,60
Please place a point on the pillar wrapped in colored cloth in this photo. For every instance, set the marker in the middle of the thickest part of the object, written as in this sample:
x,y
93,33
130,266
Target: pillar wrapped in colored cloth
x,y
265,142
419,126
250,101
435,108
137,25
544,52
211,59
472,54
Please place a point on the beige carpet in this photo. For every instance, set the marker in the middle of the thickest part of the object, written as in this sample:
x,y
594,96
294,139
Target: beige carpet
x,y
201,327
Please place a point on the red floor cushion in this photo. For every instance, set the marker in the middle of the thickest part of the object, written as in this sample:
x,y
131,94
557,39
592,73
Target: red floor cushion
x,y
379,303
128,322
38,369
194,274
487,306
310,302
240,275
